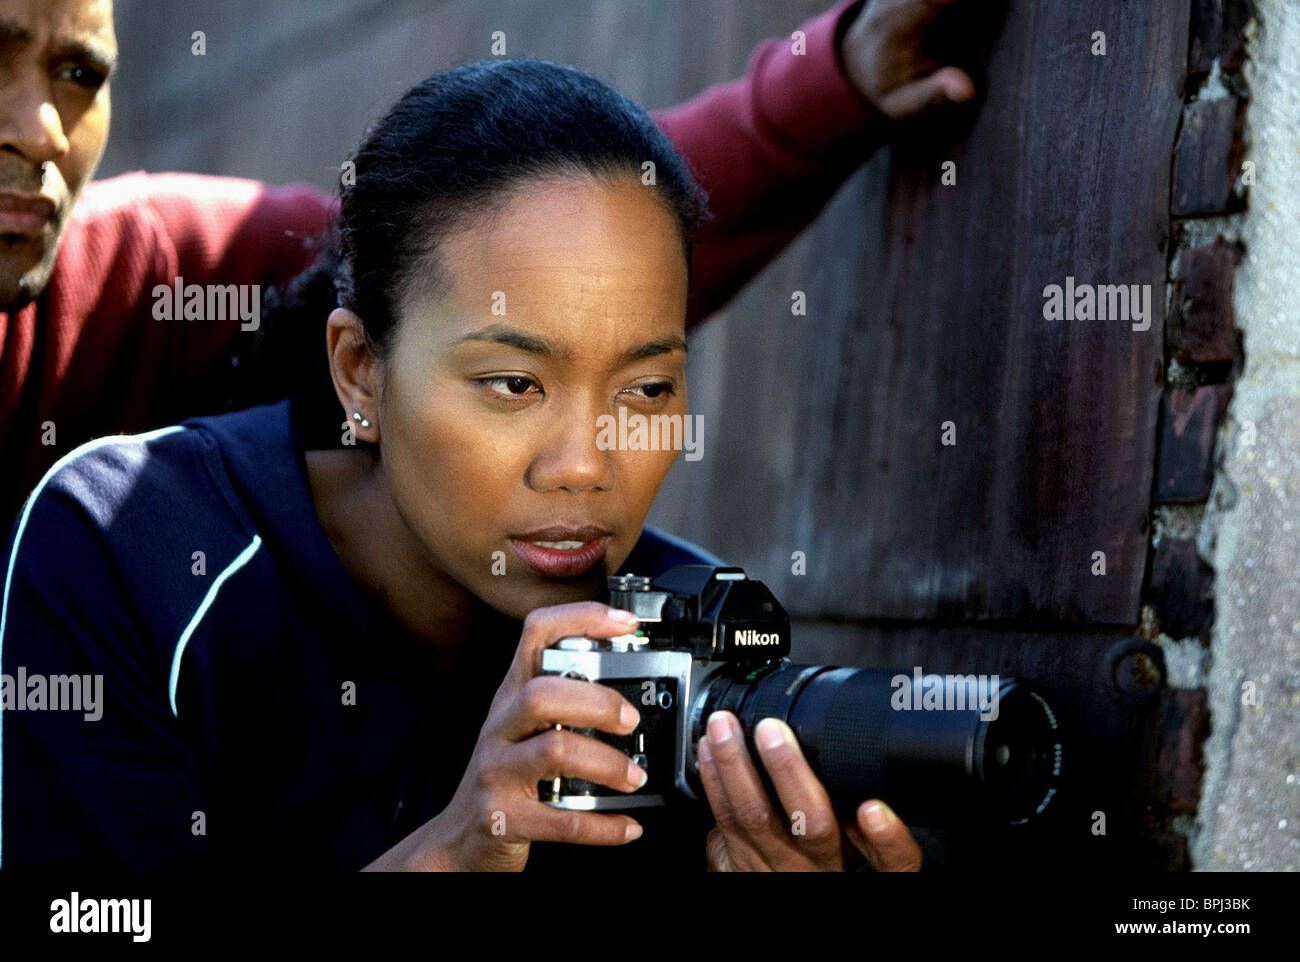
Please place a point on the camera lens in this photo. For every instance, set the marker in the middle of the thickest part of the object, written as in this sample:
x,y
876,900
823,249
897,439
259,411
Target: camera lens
x,y
938,748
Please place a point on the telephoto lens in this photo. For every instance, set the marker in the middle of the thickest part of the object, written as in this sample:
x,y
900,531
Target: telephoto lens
x,y
939,749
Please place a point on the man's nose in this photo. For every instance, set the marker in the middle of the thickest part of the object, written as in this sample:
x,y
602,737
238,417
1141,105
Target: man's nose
x,y
30,123
571,459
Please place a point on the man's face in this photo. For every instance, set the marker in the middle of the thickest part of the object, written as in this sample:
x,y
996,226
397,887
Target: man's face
x,y
56,57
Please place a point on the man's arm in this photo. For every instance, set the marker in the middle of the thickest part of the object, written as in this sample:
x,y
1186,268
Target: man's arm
x,y
222,231
772,147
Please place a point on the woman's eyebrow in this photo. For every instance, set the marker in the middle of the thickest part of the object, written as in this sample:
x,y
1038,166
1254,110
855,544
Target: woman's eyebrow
x,y
532,344
513,337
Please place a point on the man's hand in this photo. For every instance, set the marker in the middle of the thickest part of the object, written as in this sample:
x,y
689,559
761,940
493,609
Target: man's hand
x,y
752,836
885,57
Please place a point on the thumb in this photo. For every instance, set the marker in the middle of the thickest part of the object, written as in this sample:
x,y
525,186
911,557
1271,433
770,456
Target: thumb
x,y
883,838
946,85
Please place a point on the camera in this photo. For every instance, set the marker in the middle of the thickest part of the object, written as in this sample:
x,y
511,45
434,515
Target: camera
x,y
939,749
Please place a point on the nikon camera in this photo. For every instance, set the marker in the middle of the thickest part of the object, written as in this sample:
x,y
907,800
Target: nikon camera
x,y
938,749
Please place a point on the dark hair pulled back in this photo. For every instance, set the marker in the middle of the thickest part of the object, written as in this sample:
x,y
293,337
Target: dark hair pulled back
x,y
453,148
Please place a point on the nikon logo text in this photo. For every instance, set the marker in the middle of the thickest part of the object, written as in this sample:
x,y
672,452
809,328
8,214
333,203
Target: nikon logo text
x,y
752,637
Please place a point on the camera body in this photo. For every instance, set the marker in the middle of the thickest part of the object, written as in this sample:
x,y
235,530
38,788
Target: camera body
x,y
699,624
712,639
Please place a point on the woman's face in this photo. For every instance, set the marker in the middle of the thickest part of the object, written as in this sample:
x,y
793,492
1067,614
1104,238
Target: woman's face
x,y
564,305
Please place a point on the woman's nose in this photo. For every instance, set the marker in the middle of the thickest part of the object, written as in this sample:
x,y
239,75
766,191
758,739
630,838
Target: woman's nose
x,y
570,458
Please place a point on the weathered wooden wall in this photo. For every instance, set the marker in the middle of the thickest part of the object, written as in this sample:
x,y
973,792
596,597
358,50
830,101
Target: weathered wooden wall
x,y
925,305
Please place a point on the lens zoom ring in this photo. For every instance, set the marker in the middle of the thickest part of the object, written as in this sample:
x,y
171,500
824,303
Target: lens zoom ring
x,y
850,742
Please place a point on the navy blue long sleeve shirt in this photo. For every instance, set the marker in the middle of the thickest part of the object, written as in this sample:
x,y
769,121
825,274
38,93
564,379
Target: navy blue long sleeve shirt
x,y
224,737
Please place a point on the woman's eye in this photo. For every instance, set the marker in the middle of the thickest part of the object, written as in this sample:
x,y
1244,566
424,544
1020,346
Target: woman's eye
x,y
510,385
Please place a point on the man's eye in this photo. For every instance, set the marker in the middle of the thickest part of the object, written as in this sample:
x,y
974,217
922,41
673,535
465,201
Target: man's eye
x,y
87,77
512,385
655,391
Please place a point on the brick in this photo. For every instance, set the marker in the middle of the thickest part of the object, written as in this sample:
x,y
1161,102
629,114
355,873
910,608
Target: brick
x,y
1189,423
1207,158
1200,328
1177,761
1179,588
1218,32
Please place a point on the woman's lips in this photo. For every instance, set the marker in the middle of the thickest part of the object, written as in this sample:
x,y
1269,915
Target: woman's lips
x,y
557,559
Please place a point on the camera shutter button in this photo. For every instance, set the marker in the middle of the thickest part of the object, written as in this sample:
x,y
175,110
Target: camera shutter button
x,y
626,643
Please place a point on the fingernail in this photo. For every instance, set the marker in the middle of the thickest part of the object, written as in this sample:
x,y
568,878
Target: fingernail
x,y
629,716
877,817
626,617
719,728
637,775
632,832
769,734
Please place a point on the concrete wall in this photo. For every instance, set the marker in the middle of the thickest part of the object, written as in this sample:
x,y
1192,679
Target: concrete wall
x,y
1250,811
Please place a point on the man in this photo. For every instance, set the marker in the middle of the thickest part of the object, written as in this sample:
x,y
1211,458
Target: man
x,y
83,353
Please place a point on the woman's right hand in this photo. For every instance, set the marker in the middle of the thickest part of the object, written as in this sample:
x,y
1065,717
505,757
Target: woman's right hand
x,y
495,813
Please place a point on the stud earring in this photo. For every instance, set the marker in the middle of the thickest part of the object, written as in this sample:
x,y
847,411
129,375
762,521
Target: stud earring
x,y
356,416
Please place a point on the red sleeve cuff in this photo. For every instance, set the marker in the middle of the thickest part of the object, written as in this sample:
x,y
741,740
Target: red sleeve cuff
x,y
805,101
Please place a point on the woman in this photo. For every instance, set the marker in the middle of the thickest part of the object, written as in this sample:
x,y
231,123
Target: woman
x,y
298,647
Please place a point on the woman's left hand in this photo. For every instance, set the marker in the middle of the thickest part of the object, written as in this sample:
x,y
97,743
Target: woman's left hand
x,y
752,836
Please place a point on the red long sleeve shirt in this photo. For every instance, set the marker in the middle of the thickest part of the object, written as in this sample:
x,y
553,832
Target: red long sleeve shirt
x,y
87,358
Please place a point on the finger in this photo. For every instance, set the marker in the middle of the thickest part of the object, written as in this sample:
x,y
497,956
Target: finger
x,y
736,854
540,822
804,799
855,846
945,85
549,700
887,843
749,809
545,626
557,754
715,848
910,14
957,83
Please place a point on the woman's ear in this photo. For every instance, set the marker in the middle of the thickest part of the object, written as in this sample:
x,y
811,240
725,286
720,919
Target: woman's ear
x,y
357,373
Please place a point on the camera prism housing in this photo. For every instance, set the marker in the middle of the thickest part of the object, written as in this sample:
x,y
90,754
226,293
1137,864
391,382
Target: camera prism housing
x,y
712,639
